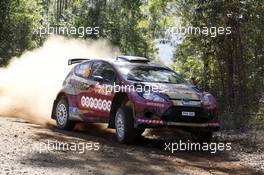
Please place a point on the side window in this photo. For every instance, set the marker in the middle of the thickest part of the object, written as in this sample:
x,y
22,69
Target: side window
x,y
105,71
96,68
83,70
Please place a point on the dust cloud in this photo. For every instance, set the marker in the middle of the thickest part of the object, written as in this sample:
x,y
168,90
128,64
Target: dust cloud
x,y
29,84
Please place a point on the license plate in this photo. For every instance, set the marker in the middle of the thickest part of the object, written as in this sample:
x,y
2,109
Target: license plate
x,y
186,113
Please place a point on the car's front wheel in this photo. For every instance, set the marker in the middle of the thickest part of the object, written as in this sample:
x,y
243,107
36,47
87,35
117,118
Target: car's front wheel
x,y
62,115
124,123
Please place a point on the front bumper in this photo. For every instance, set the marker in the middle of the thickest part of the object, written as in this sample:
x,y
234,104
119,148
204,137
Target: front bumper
x,y
213,125
150,114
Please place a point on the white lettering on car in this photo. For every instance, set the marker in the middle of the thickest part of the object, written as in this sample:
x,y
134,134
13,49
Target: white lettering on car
x,y
95,103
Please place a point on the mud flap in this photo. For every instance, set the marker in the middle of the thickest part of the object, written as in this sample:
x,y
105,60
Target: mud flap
x,y
53,110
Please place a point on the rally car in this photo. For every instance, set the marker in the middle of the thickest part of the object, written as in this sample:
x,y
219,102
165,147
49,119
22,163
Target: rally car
x,y
131,94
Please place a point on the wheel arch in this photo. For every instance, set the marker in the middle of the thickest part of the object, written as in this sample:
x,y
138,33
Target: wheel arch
x,y
120,99
59,95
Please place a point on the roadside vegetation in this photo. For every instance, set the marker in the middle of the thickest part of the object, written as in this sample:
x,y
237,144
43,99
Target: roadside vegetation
x,y
230,66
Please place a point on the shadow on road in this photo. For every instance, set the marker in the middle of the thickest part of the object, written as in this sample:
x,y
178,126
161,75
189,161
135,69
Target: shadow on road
x,y
146,157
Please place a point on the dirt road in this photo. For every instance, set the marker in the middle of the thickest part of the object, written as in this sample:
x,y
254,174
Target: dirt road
x,y
22,151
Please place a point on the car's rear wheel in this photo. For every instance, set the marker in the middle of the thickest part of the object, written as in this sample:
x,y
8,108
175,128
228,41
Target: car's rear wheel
x,y
124,123
62,115
202,136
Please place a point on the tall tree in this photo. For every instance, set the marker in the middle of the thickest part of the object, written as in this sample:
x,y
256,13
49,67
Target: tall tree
x,y
18,21
233,63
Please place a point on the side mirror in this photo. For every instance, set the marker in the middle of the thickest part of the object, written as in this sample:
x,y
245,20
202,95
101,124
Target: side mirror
x,y
100,79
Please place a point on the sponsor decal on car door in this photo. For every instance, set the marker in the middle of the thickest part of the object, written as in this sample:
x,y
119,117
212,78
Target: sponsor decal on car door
x,y
96,101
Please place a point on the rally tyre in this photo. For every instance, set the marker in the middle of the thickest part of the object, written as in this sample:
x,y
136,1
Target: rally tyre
x,y
124,124
202,136
62,115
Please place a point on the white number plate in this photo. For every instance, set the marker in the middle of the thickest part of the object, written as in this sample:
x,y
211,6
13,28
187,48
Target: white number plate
x,y
186,113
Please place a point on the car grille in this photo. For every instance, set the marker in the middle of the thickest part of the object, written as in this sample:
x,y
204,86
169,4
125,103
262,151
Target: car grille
x,y
174,114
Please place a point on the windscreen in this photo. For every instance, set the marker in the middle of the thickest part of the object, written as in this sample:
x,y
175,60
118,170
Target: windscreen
x,y
153,74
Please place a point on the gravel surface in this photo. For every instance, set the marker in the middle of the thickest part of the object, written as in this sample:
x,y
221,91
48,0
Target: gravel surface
x,y
247,146
24,150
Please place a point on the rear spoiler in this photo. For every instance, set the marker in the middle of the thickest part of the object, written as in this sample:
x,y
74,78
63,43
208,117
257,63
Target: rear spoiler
x,y
76,60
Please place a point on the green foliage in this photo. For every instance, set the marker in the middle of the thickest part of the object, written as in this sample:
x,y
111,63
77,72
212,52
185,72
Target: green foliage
x,y
261,111
19,19
230,66
118,21
131,25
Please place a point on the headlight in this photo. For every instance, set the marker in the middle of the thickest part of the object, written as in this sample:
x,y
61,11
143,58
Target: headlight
x,y
152,97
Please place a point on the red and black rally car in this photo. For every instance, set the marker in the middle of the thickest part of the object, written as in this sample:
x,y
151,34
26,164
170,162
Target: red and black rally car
x,y
130,94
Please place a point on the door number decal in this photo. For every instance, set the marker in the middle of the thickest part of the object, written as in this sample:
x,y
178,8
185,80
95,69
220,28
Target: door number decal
x,y
95,103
